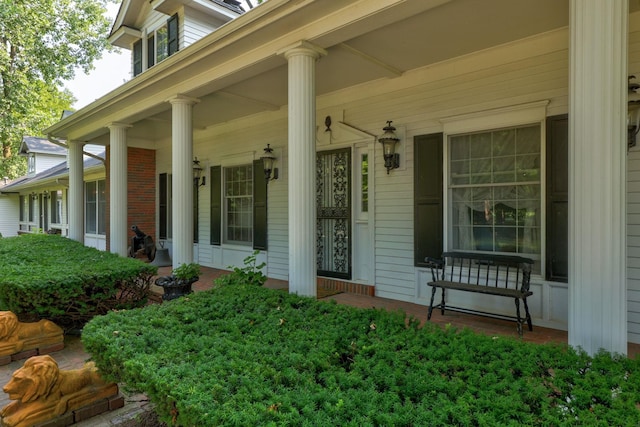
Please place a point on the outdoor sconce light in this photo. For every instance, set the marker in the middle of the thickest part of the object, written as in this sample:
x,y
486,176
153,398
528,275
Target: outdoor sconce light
x,y
46,194
388,141
267,161
197,173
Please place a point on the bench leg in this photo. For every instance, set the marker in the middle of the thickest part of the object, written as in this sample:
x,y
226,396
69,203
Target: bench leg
x,y
433,294
526,309
442,303
518,317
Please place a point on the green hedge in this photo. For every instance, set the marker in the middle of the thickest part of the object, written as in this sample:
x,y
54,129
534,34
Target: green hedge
x,y
50,276
245,355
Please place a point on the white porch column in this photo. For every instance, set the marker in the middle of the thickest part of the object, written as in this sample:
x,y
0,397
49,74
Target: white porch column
x,y
118,241
76,192
182,170
302,167
597,175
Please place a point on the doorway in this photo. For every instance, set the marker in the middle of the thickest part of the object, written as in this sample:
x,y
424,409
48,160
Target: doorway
x,y
333,201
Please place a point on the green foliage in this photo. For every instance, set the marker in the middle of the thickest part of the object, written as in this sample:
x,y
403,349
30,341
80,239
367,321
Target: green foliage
x,y
245,355
187,272
250,274
53,277
43,43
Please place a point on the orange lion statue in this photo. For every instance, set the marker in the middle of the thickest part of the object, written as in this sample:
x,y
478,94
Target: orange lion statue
x,y
17,336
42,392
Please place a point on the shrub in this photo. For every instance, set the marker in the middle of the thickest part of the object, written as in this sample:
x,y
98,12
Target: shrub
x,y
186,272
49,276
250,274
246,355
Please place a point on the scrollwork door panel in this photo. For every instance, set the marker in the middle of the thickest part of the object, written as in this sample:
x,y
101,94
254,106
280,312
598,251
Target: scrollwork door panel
x,y
333,202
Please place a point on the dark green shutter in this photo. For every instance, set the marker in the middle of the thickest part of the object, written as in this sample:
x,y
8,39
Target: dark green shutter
x,y
196,203
172,34
259,206
137,57
557,236
215,206
427,190
162,208
151,51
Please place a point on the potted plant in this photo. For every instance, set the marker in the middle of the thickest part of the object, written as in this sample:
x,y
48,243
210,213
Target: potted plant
x,y
179,282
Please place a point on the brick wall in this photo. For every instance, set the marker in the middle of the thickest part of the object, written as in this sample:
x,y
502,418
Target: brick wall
x,y
141,186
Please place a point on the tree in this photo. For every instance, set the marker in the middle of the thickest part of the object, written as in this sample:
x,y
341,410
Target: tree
x,y
42,43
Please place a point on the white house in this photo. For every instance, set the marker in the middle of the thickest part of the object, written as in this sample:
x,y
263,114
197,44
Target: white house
x,y
511,119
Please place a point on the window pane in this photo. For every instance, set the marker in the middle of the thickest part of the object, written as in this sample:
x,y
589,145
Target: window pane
x,y
102,207
238,204
162,44
364,166
495,188
91,208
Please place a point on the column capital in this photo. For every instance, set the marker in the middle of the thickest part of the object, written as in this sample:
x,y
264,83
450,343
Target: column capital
x,y
182,99
302,47
118,125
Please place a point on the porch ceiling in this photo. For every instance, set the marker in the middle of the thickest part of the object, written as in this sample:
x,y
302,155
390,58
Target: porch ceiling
x,y
405,36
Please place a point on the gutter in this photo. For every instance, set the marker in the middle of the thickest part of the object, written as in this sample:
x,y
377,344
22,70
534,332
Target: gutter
x,y
63,145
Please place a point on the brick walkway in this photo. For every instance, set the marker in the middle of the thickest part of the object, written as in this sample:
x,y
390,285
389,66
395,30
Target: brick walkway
x,y
73,355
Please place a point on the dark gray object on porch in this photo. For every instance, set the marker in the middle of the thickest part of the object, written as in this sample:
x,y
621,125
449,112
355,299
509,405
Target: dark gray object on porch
x,y
499,275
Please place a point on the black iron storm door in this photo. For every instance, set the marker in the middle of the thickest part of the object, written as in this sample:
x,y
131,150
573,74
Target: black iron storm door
x,y
333,202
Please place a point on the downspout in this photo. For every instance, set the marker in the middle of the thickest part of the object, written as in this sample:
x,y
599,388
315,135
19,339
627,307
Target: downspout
x,y
63,145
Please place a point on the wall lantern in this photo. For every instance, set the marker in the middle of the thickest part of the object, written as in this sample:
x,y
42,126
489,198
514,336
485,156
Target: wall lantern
x,y
267,161
388,141
46,194
197,173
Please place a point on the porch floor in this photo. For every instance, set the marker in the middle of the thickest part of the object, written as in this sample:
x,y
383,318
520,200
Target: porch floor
x,y
479,324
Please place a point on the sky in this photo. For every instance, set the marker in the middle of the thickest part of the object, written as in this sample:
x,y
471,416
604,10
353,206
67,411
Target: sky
x,y
111,71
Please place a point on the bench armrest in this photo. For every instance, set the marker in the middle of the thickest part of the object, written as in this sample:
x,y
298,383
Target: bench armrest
x,y
435,264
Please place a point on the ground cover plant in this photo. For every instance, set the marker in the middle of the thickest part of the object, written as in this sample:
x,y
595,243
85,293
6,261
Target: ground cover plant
x,y
49,276
246,355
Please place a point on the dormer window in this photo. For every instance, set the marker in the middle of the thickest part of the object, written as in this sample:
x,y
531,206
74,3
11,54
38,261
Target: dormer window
x,y
161,43
31,163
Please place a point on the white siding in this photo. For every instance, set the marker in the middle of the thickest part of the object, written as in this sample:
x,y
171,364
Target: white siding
x,y
633,204
47,161
9,214
195,26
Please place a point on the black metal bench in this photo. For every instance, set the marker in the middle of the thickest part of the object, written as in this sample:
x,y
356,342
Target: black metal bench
x,y
499,275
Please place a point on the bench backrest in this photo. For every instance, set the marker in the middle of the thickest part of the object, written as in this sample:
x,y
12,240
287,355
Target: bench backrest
x,y
487,269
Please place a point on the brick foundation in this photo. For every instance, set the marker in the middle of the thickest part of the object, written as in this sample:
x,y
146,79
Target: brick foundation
x,y
352,288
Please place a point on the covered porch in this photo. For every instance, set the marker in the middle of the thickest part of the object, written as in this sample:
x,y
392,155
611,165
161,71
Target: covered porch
x,y
482,325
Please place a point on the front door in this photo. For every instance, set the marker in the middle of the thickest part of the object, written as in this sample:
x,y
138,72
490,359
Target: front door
x,y
333,201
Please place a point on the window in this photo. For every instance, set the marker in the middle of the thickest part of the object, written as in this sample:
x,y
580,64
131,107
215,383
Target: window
x,y
238,202
161,43
364,166
31,163
494,183
95,207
